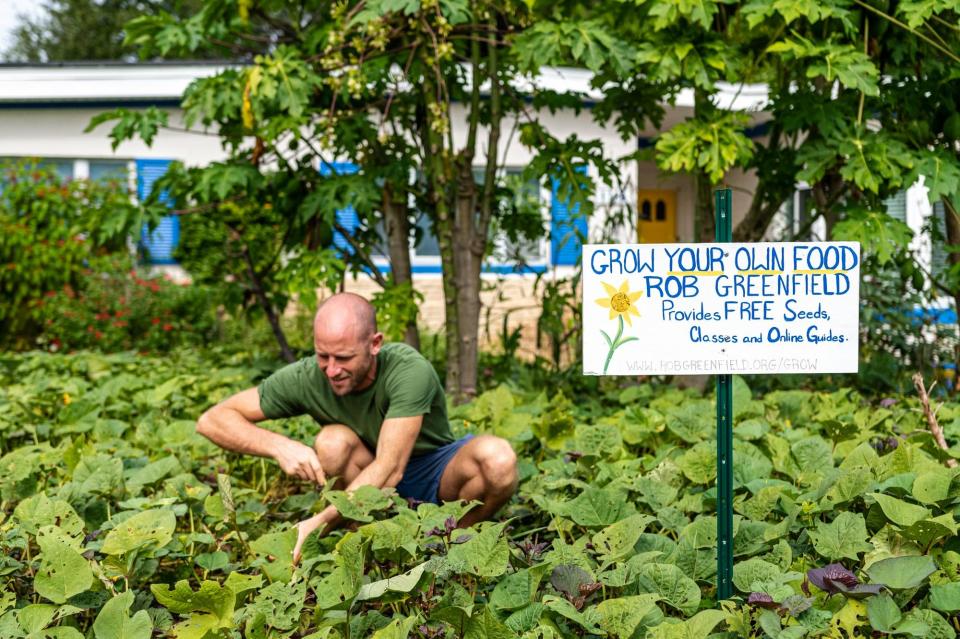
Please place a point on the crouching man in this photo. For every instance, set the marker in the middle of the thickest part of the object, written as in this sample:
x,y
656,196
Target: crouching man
x,y
382,416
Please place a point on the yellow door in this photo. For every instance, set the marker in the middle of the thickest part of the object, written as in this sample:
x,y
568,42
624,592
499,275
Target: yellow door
x,y
657,213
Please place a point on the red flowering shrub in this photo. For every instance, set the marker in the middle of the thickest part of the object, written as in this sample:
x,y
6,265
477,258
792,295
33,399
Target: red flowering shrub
x,y
49,232
118,309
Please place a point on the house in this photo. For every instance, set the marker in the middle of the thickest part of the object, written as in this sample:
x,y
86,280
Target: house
x,y
44,110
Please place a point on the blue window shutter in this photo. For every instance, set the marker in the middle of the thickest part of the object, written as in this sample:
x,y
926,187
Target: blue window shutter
x,y
347,216
160,243
567,227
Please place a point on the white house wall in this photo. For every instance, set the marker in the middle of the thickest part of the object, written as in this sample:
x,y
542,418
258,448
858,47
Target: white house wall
x,y
58,133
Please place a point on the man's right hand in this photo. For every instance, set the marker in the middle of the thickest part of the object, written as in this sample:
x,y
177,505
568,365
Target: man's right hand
x,y
299,460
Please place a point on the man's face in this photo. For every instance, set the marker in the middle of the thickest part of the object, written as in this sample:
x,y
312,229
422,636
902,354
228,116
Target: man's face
x,y
346,358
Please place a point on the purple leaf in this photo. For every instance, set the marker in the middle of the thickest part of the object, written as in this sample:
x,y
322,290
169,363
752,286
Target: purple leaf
x,y
835,579
832,579
862,591
761,600
450,524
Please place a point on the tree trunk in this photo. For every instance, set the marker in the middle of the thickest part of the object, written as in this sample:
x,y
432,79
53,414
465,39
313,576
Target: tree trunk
x,y
771,193
435,169
704,225
952,220
467,279
273,318
397,223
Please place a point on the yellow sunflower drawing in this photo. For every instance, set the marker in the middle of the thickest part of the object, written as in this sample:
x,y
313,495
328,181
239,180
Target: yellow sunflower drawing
x,y
620,301
621,304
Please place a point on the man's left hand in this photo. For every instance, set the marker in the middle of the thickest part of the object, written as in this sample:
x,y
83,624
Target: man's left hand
x,y
304,528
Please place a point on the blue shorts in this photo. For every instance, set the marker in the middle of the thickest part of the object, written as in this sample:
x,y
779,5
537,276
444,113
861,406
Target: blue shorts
x,y
421,479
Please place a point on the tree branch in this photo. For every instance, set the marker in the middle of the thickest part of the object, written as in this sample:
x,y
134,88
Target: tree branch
x,y
362,254
931,415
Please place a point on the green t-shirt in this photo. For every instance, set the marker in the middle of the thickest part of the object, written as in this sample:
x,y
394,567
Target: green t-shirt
x,y
405,386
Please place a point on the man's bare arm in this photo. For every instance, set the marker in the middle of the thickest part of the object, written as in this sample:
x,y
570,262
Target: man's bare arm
x,y
394,447
231,424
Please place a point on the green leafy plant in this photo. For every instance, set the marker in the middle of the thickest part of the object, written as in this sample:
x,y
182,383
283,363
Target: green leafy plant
x,y
120,519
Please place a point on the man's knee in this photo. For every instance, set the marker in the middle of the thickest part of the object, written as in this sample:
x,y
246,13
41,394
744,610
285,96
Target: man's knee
x,y
335,445
498,463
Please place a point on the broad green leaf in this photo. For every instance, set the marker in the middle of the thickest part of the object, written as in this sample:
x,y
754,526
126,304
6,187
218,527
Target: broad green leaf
x,y
927,531
928,624
198,626
596,507
483,624
699,464
152,473
901,573
63,572
700,626
115,622
946,597
240,583
277,549
526,618
399,628
878,233
931,487
514,591
940,171
485,554
145,529
900,512
752,571
401,583
851,485
278,606
883,612
616,541
341,586
621,616
601,440
389,536
210,597
35,617
814,456
360,503
35,512
671,585
99,474
844,537
455,606
565,609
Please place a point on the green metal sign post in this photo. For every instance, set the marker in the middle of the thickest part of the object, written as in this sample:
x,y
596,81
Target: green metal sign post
x,y
723,212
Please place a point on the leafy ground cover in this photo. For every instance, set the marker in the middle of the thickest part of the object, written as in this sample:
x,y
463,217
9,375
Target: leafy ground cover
x,y
118,521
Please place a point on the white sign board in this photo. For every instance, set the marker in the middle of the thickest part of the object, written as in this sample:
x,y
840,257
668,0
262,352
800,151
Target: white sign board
x,y
714,309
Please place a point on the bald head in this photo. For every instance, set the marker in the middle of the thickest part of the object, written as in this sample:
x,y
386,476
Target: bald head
x,y
346,340
345,315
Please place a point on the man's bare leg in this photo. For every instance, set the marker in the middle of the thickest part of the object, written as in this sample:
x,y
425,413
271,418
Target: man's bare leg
x,y
341,453
484,469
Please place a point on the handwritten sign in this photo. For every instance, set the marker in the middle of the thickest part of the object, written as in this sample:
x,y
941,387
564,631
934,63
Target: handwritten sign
x,y
713,309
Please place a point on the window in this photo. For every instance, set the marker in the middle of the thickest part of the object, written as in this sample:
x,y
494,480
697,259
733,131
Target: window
x,y
795,221
939,263
108,170
518,233
511,244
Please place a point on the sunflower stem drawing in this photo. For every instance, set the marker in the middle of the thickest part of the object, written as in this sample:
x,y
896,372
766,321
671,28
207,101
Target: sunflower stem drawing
x,y
620,302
